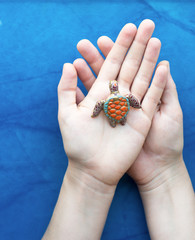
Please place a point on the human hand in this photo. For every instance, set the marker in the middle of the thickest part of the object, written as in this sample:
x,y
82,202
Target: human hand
x,y
92,145
163,146
100,163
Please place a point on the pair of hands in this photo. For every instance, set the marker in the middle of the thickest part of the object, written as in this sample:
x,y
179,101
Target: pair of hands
x,y
151,141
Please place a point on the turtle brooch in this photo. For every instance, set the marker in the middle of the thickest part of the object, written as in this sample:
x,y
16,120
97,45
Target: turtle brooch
x,y
116,106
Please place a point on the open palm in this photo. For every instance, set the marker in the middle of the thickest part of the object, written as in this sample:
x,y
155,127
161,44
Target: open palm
x,y
91,144
164,142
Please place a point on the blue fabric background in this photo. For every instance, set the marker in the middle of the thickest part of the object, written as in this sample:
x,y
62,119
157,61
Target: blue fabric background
x,y
36,38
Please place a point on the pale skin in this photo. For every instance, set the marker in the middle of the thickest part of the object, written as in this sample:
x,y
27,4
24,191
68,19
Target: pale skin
x,y
95,167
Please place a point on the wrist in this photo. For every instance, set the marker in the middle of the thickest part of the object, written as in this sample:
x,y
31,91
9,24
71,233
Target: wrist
x,y
169,204
90,200
82,207
167,177
83,180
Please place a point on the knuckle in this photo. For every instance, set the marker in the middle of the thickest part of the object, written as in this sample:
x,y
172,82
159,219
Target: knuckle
x,y
144,78
152,99
135,62
58,88
114,60
60,117
179,114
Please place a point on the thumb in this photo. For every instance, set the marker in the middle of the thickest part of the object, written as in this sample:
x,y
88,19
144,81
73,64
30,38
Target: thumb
x,y
170,102
67,88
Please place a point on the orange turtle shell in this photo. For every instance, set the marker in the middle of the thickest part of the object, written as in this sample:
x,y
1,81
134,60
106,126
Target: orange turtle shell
x,y
116,108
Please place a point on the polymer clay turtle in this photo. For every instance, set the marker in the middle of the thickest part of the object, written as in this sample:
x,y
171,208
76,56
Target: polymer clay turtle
x,y
116,106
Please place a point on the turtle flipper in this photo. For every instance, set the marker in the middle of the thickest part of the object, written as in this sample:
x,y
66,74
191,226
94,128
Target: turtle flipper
x,y
98,108
133,101
123,121
112,123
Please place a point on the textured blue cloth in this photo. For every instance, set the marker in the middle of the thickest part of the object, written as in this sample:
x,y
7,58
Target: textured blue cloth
x,y
36,38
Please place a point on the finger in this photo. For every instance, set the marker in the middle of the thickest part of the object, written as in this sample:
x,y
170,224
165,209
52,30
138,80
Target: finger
x,y
155,91
170,93
84,73
83,70
169,100
142,80
134,57
112,64
79,96
67,89
105,44
90,54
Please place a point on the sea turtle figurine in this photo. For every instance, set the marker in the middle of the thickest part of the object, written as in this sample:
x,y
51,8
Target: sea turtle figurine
x,y
116,106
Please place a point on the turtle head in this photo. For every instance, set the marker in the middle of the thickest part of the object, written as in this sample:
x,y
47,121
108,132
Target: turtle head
x,y
113,86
